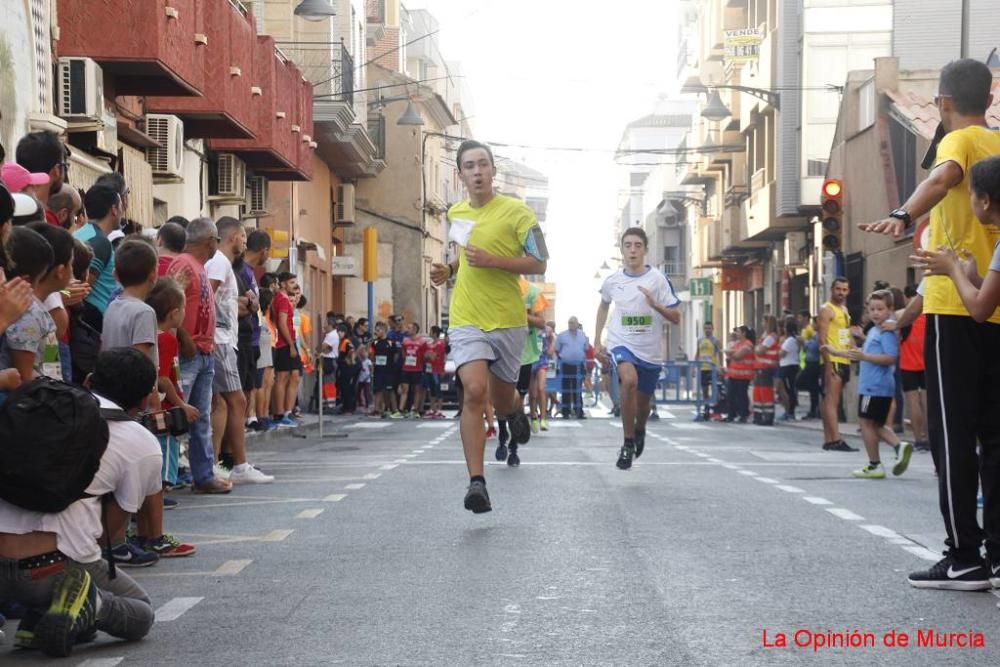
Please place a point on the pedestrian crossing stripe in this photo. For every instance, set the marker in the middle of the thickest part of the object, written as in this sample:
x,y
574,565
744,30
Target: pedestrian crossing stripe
x,y
368,425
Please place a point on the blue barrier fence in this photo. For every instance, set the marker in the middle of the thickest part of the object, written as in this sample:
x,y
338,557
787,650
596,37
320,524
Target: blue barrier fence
x,y
680,383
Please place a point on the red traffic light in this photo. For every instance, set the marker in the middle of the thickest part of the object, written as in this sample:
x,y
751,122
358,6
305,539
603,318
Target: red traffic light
x,y
832,188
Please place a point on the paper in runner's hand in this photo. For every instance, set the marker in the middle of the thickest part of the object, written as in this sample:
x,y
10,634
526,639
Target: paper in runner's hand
x,y
460,231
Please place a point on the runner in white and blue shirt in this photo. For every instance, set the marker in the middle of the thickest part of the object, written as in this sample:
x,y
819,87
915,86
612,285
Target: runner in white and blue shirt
x,y
644,301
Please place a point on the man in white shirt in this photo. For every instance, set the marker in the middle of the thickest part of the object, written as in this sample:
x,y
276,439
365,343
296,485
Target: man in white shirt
x,y
644,300
51,563
229,403
329,351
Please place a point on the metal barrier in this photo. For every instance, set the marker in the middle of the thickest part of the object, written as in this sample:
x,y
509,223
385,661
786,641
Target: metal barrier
x,y
680,384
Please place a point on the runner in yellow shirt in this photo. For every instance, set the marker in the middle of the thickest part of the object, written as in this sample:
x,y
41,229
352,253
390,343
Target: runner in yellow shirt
x,y
499,240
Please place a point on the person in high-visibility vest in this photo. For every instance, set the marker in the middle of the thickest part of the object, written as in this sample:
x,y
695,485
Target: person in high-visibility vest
x,y
739,373
767,353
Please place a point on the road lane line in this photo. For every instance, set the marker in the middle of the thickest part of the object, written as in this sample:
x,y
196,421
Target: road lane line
x,y
846,515
355,487
389,466
308,514
277,535
880,531
790,489
730,466
372,475
418,451
101,662
176,608
711,460
767,480
335,497
748,473
232,567
923,552
816,500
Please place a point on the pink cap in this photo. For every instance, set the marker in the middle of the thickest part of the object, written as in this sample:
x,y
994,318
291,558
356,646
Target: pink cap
x,y
17,178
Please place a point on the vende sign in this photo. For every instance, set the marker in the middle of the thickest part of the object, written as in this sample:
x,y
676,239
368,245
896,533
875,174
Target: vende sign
x,y
345,266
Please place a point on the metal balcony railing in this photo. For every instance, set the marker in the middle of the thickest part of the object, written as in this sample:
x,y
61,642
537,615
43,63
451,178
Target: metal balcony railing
x,y
673,270
343,73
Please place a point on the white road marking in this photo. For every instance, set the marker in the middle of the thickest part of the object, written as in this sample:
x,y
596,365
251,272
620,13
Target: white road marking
x,y
101,662
704,456
816,500
711,460
730,466
176,608
441,424
335,497
689,427
880,531
612,423
368,425
372,475
901,541
308,514
232,567
277,535
355,487
768,480
389,466
409,456
555,424
846,515
790,489
418,451
748,473
923,552
398,461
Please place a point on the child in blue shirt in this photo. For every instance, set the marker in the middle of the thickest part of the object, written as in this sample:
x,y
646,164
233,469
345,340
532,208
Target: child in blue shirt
x,y
876,388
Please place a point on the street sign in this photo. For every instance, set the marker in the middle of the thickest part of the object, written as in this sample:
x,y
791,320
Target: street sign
x,y
700,287
345,265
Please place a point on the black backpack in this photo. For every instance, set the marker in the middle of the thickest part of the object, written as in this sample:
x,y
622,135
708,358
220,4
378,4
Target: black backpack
x,y
52,437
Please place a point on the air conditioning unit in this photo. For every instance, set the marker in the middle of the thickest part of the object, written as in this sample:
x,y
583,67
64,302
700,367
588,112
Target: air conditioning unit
x,y
167,160
230,179
344,215
81,90
256,196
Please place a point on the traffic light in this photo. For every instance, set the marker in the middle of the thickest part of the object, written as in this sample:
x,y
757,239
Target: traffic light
x,y
370,244
832,203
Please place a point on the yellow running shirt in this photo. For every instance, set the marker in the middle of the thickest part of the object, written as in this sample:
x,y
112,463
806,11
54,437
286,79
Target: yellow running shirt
x,y
838,334
953,224
491,299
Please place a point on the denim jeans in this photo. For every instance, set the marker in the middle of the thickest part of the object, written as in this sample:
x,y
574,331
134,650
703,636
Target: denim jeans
x,y
197,375
126,610
65,362
572,388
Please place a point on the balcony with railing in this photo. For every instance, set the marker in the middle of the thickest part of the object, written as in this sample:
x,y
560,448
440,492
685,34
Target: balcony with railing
x,y
676,271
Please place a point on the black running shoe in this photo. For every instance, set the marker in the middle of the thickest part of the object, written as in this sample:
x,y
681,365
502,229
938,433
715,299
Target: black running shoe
x,y
625,456
501,452
949,574
640,443
477,500
513,460
520,427
839,446
71,614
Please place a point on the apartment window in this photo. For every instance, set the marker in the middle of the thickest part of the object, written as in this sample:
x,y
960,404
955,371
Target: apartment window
x,y
866,105
904,158
816,167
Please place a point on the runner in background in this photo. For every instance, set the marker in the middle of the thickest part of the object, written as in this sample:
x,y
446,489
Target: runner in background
x,y
644,300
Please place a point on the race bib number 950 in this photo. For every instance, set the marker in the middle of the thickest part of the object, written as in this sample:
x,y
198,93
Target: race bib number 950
x,y
637,323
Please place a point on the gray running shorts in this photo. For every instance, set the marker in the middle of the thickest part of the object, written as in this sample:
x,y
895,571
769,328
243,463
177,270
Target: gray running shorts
x,y
501,348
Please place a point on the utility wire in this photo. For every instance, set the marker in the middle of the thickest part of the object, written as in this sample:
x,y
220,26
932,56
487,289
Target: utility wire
x,y
390,85
368,62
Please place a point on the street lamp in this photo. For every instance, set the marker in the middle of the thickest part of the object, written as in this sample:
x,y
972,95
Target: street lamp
x,y
715,110
771,97
315,10
410,117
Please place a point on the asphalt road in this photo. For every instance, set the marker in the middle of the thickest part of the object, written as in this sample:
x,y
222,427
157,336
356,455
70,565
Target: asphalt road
x,y
361,554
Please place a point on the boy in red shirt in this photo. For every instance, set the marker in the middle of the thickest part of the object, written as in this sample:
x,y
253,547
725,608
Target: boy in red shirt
x,y
414,349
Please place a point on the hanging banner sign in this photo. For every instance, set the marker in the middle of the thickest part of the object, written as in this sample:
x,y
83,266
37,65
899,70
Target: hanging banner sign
x,y
742,46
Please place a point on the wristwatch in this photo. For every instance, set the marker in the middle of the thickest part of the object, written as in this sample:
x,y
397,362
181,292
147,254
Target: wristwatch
x,y
901,214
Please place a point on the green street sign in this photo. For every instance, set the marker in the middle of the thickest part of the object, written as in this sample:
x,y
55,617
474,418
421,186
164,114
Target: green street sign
x,y
701,287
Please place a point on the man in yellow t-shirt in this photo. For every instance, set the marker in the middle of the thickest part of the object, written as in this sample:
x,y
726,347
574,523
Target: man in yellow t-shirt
x,y
499,240
961,355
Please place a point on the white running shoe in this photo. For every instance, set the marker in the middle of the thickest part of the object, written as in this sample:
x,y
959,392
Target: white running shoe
x,y
220,472
247,474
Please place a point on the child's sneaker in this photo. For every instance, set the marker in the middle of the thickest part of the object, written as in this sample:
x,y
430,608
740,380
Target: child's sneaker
x,y
870,471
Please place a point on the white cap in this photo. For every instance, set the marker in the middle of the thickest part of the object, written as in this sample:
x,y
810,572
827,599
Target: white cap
x,y
115,235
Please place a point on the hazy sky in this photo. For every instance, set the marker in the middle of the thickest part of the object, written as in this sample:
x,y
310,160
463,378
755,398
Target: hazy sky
x,y
564,73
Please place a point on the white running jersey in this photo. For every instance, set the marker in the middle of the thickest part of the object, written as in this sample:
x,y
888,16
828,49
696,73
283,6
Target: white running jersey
x,y
633,323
